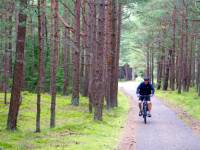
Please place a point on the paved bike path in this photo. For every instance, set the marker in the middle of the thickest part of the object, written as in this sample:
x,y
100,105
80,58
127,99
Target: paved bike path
x,y
164,131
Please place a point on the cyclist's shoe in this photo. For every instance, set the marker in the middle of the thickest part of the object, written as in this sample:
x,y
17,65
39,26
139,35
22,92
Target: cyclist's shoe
x,y
149,115
140,113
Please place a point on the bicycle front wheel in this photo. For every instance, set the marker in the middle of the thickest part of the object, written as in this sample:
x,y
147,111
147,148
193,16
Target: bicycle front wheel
x,y
145,119
145,114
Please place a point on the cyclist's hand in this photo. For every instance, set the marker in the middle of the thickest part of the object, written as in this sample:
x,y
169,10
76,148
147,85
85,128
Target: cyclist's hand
x,y
152,95
138,95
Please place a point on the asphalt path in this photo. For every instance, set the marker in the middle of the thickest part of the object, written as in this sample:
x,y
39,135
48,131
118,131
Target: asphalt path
x,y
164,131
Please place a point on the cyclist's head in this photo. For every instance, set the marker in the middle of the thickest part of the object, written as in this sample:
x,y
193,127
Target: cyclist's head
x,y
146,80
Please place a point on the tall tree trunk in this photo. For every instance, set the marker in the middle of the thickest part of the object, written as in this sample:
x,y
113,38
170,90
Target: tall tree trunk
x,y
10,31
198,72
76,56
108,44
152,67
172,53
32,36
48,43
65,55
54,57
83,48
98,88
188,53
180,57
193,65
119,22
6,63
18,69
8,47
114,51
93,51
65,82
148,63
159,74
166,71
198,66
159,67
41,40
185,51
85,41
176,66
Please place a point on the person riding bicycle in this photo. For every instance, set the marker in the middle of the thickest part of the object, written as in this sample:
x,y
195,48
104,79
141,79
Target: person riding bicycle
x,y
145,88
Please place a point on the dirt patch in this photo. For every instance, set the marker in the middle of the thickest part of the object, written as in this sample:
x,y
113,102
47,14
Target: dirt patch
x,y
184,116
127,140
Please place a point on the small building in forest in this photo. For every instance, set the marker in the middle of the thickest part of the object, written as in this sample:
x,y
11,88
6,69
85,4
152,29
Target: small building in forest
x,y
126,73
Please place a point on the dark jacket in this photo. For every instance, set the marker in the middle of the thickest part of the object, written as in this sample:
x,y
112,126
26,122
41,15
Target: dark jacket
x,y
144,89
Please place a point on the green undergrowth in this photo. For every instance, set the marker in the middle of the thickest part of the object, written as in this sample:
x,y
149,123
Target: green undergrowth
x,y
75,128
187,101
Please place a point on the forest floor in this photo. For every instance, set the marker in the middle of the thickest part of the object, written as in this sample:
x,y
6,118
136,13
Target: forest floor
x,y
165,130
75,128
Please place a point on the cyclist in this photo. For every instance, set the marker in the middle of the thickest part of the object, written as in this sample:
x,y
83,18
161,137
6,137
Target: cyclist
x,y
145,88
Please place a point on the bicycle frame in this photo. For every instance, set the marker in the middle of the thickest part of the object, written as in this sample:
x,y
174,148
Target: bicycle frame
x,y
145,107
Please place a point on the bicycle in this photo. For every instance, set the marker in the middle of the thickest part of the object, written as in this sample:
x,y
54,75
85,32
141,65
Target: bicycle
x,y
145,107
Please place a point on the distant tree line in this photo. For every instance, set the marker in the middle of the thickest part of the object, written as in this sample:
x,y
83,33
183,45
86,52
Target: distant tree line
x,y
163,39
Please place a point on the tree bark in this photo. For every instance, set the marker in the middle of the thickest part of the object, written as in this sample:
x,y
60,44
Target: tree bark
x,y
185,51
159,67
173,52
148,62
113,97
119,22
6,63
76,56
41,40
7,58
159,74
193,44
98,89
54,57
32,36
180,57
93,51
198,73
152,67
18,69
166,71
188,53
108,44
86,30
65,55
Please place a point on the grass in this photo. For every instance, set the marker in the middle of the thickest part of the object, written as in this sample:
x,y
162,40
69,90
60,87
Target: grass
x,y
75,128
187,101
